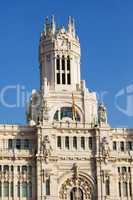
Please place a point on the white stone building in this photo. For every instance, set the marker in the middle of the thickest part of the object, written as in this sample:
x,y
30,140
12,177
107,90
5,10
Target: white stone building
x,y
67,151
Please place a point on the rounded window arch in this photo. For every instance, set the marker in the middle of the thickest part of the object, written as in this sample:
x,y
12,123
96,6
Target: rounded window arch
x,y
66,113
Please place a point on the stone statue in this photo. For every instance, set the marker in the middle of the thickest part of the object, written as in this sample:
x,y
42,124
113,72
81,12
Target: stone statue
x,y
102,114
46,147
105,148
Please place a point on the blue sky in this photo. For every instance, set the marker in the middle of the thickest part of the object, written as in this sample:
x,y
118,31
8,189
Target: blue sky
x,y
106,34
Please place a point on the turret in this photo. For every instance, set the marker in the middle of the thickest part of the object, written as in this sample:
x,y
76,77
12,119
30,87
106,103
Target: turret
x,y
60,56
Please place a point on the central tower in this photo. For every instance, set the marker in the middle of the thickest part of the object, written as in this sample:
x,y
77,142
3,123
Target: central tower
x,y
59,56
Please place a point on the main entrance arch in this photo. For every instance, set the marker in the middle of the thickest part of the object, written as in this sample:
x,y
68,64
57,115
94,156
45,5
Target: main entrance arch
x,y
76,188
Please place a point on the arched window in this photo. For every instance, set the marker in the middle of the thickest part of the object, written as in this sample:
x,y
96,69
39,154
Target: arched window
x,y
65,112
76,193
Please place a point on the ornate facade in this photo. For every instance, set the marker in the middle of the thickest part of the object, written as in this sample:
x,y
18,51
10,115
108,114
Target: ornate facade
x,y
67,151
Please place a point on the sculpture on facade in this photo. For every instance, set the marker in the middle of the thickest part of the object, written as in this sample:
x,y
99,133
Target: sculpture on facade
x,y
46,148
102,114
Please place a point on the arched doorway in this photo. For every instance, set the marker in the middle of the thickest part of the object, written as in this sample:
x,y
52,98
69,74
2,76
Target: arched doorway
x,y
76,194
76,189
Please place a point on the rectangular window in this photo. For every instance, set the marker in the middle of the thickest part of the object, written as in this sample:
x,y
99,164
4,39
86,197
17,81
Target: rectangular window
x,y
26,144
59,142
11,189
63,79
58,78
6,168
18,189
130,189
124,170
48,186
68,79
63,63
107,187
30,189
118,169
122,146
0,189
24,189
129,169
90,142
18,144
10,144
24,169
18,168
75,142
6,189
114,146
12,168
129,145
58,63
30,170
68,64
67,142
119,189
82,142
125,193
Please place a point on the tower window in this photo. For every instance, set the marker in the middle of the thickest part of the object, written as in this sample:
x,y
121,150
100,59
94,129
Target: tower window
x,y
63,78
68,79
119,189
58,63
63,63
68,63
58,78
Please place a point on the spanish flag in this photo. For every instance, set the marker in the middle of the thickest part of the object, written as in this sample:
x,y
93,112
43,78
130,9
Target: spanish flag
x,y
73,108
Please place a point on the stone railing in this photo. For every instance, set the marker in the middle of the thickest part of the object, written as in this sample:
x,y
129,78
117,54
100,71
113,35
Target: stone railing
x,y
73,125
16,153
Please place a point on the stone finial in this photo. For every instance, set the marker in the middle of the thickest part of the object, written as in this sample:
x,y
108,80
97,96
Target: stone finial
x,y
53,25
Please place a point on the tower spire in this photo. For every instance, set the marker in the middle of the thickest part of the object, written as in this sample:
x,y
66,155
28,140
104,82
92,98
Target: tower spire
x,y
47,26
53,25
70,24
